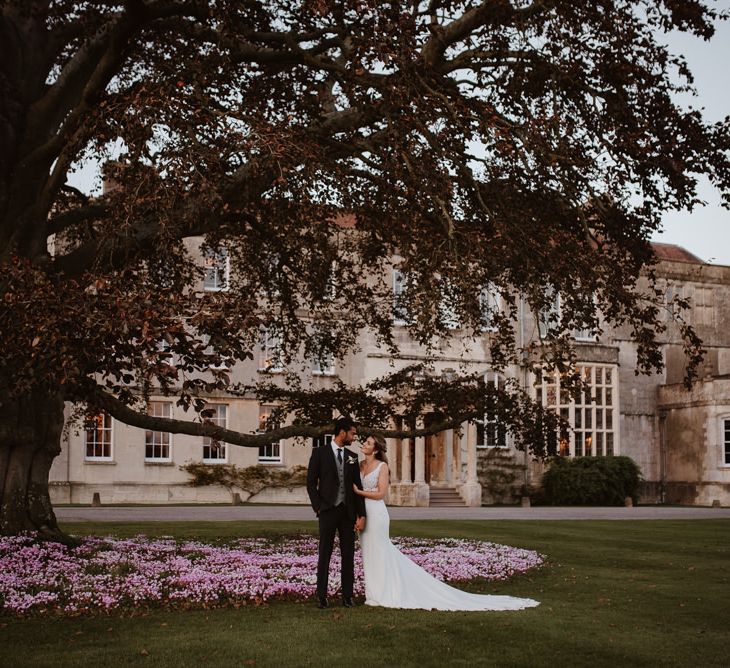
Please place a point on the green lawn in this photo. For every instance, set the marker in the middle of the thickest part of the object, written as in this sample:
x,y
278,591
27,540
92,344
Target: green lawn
x,y
645,593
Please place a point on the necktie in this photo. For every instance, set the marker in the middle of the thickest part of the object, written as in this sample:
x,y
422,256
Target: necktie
x,y
339,456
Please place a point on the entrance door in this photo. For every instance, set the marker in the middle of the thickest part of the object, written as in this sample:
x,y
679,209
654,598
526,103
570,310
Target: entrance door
x,y
435,472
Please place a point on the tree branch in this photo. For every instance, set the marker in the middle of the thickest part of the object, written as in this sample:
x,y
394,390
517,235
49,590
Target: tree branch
x,y
477,17
127,415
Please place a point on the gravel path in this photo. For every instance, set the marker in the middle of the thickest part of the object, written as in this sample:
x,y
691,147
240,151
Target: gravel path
x,y
200,513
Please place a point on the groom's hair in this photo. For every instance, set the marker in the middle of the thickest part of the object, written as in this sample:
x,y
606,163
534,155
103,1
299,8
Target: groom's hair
x,y
343,424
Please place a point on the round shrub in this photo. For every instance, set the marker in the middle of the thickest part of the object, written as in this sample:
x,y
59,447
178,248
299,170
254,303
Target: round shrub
x,y
601,481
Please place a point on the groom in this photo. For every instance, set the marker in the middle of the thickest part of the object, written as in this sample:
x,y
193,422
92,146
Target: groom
x,y
332,471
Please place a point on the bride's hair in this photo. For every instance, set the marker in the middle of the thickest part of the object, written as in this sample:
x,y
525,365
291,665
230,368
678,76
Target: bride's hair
x,y
380,449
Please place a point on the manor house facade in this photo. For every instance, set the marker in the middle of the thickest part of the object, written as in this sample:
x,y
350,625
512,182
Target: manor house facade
x,y
679,438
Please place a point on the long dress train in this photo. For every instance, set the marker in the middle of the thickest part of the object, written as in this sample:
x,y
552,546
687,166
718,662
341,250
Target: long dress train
x,y
392,580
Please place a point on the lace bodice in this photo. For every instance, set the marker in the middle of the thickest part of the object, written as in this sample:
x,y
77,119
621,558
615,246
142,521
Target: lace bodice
x,y
370,481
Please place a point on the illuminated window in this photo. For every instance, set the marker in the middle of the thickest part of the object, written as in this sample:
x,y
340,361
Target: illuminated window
x,y
592,416
270,358
98,437
217,270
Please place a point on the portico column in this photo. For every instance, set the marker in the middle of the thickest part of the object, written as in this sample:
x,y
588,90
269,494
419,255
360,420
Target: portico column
x,y
471,453
393,445
405,474
471,490
422,491
449,456
420,459
456,436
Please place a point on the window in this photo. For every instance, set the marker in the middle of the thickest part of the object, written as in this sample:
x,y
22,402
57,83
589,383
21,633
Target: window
x,y
703,306
270,352
271,452
330,286
586,333
549,317
448,312
217,270
157,443
323,359
164,350
98,437
726,442
323,364
223,363
592,417
216,452
400,310
492,430
489,304
321,441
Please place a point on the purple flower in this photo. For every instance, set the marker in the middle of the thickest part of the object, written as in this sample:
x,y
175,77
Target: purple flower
x,y
107,574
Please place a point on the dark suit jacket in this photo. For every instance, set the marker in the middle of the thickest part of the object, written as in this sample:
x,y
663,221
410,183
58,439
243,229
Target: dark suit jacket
x,y
323,481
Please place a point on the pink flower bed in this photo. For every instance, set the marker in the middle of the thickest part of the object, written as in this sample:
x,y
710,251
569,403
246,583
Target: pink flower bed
x,y
106,574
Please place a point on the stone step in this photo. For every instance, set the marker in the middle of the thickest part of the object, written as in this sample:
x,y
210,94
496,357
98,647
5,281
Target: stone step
x,y
445,497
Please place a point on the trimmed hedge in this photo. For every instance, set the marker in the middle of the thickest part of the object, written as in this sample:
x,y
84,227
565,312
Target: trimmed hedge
x,y
603,481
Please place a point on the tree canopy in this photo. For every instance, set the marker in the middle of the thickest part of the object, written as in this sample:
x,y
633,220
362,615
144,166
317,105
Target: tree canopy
x,y
529,145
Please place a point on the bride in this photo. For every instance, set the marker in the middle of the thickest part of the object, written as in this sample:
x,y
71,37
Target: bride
x,y
392,580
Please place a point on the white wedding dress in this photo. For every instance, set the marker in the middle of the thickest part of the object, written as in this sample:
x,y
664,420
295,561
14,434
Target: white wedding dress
x,y
392,580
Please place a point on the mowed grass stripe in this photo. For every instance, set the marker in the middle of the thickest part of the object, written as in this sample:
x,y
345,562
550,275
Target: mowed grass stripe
x,y
614,593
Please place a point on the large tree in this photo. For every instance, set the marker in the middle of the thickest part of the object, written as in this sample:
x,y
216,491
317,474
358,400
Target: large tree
x,y
530,145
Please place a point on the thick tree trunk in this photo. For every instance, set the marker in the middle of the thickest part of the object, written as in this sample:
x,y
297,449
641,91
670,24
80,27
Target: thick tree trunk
x,y
30,438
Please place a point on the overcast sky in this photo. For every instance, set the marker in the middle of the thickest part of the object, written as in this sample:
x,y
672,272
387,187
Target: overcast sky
x,y
706,230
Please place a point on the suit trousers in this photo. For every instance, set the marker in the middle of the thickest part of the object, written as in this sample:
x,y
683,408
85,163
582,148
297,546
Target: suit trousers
x,y
331,521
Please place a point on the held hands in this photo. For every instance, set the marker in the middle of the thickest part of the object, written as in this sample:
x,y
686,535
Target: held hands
x,y
360,524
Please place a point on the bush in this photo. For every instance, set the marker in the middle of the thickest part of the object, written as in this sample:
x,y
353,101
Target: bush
x,y
603,481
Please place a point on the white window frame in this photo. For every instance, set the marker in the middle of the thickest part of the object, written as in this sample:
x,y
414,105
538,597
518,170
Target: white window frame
x,y
330,288
545,323
151,409
490,423
326,441
585,334
225,365
275,446
567,407
213,266
110,430
448,314
208,441
490,304
319,370
399,312
269,342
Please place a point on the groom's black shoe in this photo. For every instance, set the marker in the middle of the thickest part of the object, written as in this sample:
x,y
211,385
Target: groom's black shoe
x,y
322,603
348,602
